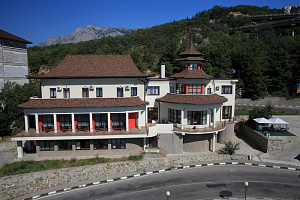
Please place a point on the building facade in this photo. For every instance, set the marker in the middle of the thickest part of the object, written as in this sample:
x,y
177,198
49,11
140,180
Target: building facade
x,y
13,59
103,105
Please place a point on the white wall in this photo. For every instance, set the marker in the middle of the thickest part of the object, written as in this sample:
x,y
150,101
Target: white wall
x,y
109,87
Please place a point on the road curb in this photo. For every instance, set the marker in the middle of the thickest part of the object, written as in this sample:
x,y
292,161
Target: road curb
x,y
165,170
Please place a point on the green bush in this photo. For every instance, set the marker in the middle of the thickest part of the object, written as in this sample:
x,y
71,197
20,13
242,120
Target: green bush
x,y
135,157
231,147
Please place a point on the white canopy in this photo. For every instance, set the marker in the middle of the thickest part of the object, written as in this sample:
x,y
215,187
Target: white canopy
x,y
262,120
277,121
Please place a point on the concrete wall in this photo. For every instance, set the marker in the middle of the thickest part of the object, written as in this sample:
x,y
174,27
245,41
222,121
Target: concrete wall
x,y
227,134
196,143
19,185
172,143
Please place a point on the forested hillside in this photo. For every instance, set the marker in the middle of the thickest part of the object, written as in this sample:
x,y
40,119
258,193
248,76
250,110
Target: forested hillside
x,y
266,61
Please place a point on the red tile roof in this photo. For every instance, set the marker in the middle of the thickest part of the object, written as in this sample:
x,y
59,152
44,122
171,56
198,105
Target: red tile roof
x,y
191,74
193,99
83,103
94,66
9,36
191,58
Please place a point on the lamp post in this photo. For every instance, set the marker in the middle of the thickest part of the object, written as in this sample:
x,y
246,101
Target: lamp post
x,y
246,185
168,193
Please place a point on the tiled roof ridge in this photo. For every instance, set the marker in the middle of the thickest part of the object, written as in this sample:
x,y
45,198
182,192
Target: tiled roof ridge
x,y
9,36
196,99
89,66
83,102
191,74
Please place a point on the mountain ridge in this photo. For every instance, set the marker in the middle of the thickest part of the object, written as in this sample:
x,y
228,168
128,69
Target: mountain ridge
x,y
86,34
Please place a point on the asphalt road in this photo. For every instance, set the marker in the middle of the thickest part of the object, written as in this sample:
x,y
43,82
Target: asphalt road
x,y
197,183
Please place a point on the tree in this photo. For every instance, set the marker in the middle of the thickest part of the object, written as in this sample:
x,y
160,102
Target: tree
x,y
11,96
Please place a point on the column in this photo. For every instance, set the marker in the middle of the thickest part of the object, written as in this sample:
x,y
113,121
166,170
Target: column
x,y
55,123
145,143
73,122
214,142
37,129
91,122
127,118
182,117
26,123
140,120
202,88
214,118
108,122
19,149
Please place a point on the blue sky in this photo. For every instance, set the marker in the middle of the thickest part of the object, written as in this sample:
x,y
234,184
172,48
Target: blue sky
x,y
37,20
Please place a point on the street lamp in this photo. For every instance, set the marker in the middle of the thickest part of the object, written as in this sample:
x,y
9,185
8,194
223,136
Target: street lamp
x,y
168,193
246,185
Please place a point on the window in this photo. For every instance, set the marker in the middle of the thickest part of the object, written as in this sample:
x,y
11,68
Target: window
x,y
208,90
197,117
85,92
46,145
118,144
52,92
99,92
172,90
65,122
83,121
118,121
212,116
82,144
226,112
133,91
174,116
100,121
48,122
100,144
193,66
153,90
152,114
66,93
194,89
226,89
64,145
119,92
180,88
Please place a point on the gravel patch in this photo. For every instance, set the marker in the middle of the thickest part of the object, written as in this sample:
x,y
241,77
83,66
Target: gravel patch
x,y
8,152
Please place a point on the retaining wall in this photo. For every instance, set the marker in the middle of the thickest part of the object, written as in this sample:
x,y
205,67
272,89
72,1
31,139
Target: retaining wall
x,y
19,185
262,142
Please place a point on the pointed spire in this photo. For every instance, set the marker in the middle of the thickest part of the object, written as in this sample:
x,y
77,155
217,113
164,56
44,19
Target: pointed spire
x,y
191,49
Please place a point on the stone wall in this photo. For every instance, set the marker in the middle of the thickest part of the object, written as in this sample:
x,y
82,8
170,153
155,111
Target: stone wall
x,y
256,138
19,185
262,142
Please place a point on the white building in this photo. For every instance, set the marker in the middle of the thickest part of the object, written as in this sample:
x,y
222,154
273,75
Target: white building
x,y
103,105
13,59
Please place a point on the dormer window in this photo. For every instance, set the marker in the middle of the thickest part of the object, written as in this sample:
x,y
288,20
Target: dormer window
x,y
85,92
52,92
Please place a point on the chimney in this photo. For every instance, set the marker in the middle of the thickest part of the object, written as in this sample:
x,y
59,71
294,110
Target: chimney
x,y
162,70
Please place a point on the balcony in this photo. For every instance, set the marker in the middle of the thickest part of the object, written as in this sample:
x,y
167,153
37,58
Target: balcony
x,y
68,132
219,126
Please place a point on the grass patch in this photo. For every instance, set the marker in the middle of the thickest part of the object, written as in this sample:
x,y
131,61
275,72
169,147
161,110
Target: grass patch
x,y
35,166
135,157
246,112
241,112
